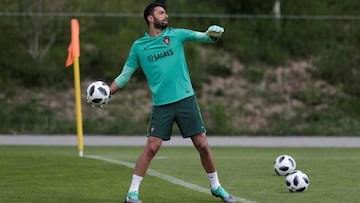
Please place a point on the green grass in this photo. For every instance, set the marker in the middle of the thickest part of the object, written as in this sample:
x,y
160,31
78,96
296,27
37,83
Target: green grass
x,y
57,174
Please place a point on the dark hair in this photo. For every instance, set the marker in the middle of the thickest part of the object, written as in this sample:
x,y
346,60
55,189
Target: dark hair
x,y
150,9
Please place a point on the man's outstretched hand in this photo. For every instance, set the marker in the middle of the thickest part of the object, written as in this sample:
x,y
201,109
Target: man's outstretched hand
x,y
215,31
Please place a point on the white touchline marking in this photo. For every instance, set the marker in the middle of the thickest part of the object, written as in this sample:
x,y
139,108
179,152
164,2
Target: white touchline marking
x,y
163,176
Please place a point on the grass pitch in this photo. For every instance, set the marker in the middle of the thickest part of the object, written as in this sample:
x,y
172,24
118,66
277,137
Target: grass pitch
x,y
31,174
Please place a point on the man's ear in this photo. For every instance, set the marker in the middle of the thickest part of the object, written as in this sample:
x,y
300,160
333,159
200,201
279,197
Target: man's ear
x,y
150,18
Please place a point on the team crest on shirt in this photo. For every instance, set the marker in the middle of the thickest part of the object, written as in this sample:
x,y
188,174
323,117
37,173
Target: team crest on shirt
x,y
166,40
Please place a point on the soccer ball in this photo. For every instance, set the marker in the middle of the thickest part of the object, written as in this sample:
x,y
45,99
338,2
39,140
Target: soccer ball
x,y
297,181
284,164
98,93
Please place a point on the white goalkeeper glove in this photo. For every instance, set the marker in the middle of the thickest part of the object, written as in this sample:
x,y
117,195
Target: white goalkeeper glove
x,y
215,31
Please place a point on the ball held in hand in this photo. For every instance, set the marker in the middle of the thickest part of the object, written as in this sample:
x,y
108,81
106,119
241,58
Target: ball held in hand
x,y
98,93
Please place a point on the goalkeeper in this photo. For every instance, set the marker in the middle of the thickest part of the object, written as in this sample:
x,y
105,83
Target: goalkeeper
x,y
160,54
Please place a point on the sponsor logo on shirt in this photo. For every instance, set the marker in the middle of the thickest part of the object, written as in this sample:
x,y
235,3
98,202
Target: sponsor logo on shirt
x,y
157,56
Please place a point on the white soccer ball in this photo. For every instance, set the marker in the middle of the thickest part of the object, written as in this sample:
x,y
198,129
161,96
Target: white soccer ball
x,y
98,93
297,181
284,164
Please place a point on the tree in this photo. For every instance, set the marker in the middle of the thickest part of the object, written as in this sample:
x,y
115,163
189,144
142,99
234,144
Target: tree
x,y
38,29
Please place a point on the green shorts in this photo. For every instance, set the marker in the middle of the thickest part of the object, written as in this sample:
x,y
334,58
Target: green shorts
x,y
185,113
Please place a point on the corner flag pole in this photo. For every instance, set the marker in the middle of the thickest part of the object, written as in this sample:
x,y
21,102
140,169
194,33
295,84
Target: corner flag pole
x,y
73,58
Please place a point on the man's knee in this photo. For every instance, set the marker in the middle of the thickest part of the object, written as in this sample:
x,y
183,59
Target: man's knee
x,y
153,146
201,143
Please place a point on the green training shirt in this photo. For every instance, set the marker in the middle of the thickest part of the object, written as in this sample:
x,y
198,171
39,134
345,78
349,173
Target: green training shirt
x,y
163,62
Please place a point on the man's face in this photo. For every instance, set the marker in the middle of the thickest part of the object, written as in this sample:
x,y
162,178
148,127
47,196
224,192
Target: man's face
x,y
160,18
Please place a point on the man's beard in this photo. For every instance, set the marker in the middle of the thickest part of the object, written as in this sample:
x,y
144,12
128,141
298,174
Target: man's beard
x,y
159,25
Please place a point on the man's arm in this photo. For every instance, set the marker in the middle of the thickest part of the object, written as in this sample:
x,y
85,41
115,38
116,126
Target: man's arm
x,y
121,79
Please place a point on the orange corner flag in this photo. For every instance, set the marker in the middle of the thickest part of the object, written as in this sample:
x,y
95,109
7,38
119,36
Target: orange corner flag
x,y
74,47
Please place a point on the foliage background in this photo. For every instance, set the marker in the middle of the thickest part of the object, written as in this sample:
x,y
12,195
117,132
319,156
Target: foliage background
x,y
294,75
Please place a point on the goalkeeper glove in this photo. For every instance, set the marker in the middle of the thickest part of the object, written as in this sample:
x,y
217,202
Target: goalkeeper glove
x,y
215,31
